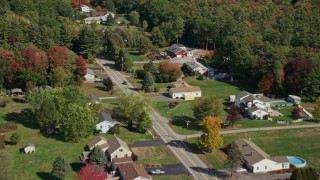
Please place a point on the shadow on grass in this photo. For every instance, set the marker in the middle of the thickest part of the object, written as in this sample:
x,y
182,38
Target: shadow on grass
x,y
18,100
24,117
101,88
76,166
44,175
181,121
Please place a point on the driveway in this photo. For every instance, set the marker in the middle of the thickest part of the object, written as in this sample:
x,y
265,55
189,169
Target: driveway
x,y
171,169
158,142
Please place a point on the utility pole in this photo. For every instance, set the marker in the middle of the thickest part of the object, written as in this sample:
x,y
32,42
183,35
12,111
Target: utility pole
x,y
188,123
121,64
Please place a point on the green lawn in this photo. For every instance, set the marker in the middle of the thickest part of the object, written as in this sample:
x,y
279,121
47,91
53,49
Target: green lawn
x,y
184,109
295,142
175,177
110,103
15,165
180,126
154,156
136,56
97,89
249,123
287,114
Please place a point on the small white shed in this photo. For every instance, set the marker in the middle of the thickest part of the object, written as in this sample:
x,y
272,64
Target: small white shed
x,y
232,98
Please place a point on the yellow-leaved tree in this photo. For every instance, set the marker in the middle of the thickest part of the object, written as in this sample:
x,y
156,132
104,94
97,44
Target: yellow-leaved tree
x,y
211,138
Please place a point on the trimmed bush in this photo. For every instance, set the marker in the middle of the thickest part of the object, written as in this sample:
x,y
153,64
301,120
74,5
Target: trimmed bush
x,y
15,138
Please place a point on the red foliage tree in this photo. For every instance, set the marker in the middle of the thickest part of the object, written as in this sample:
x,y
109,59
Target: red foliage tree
x,y
28,54
266,84
81,66
6,55
295,73
12,71
56,55
90,172
78,3
169,70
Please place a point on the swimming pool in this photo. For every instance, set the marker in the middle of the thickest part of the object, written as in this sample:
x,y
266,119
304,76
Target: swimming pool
x,y
297,161
281,103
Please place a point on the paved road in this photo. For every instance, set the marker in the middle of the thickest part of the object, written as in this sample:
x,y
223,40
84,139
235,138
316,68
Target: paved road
x,y
191,161
256,129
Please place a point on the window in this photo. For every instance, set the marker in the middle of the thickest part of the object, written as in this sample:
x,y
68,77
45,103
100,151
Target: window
x,y
115,156
101,127
120,150
257,168
282,165
265,167
197,94
126,155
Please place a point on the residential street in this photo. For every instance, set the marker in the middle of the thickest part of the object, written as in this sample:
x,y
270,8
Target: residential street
x,y
179,148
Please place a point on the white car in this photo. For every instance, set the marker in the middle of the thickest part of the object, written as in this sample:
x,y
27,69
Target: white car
x,y
157,171
241,170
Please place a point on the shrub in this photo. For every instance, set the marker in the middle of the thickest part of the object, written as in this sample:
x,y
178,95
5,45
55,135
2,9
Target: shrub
x,y
134,157
15,138
115,129
156,89
173,105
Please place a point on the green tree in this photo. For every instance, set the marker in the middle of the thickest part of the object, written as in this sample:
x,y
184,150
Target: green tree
x,y
149,67
148,82
78,122
60,168
134,17
15,138
206,106
123,61
157,37
145,45
235,158
97,157
144,122
47,114
312,85
89,41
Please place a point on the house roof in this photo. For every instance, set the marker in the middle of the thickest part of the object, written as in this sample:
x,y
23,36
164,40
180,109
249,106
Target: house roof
x,y
96,140
280,159
116,143
249,98
295,97
95,98
185,89
242,94
131,171
255,108
98,13
16,90
250,151
90,71
102,116
193,65
179,84
29,145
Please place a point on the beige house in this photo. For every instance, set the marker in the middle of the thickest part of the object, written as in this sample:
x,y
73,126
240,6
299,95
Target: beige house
x,y
182,90
132,171
29,148
99,141
118,148
257,160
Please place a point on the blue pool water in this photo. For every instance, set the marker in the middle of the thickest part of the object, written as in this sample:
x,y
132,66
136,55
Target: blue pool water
x,y
296,161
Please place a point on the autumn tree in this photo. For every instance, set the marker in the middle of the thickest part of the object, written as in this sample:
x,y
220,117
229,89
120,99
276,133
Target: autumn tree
x,y
316,112
78,3
57,55
206,106
235,158
97,157
60,168
266,84
89,171
296,113
234,114
81,66
211,138
168,72
108,83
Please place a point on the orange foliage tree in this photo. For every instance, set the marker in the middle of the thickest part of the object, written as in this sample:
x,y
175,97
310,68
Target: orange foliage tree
x,y
266,84
78,3
211,138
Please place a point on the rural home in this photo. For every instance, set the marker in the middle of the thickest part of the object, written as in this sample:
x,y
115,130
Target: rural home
x,y
118,161
97,20
179,50
118,148
104,122
29,148
196,67
85,9
99,141
16,92
252,105
294,99
90,75
182,90
256,160
132,171
95,98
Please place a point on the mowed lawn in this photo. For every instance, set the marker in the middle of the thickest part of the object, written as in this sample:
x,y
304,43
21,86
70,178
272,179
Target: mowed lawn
x,y
294,142
154,156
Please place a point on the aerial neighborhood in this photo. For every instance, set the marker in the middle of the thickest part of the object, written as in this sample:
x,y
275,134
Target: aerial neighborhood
x,y
142,90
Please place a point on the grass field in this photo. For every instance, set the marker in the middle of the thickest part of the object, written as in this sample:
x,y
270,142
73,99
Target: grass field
x,y
15,165
136,56
184,109
154,156
97,89
287,114
294,142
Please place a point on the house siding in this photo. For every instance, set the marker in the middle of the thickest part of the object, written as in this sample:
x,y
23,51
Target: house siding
x,y
267,165
119,154
183,94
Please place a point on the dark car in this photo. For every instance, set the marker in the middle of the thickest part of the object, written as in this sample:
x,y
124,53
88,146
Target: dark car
x,y
124,82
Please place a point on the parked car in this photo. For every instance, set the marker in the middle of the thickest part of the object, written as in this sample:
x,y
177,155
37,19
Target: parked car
x,y
241,170
124,82
157,172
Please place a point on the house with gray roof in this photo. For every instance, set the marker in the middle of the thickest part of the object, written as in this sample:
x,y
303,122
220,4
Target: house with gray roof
x,y
256,160
90,75
195,66
118,148
104,122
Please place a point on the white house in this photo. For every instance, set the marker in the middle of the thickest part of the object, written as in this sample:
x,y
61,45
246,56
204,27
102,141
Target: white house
x,y
29,148
132,171
97,20
104,122
182,90
195,66
90,75
256,160
294,99
118,148
257,113
85,9
99,141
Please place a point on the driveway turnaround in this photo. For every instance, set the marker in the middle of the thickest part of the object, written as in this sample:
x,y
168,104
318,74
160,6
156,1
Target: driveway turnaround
x,y
158,142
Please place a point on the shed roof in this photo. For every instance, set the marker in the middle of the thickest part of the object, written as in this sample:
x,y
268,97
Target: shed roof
x,y
16,90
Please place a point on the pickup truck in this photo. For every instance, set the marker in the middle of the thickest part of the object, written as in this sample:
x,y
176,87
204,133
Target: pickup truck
x,y
157,172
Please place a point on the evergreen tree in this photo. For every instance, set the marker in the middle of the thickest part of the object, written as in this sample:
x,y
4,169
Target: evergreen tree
x,y
89,42
60,168
144,122
149,67
148,82
235,158
97,157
